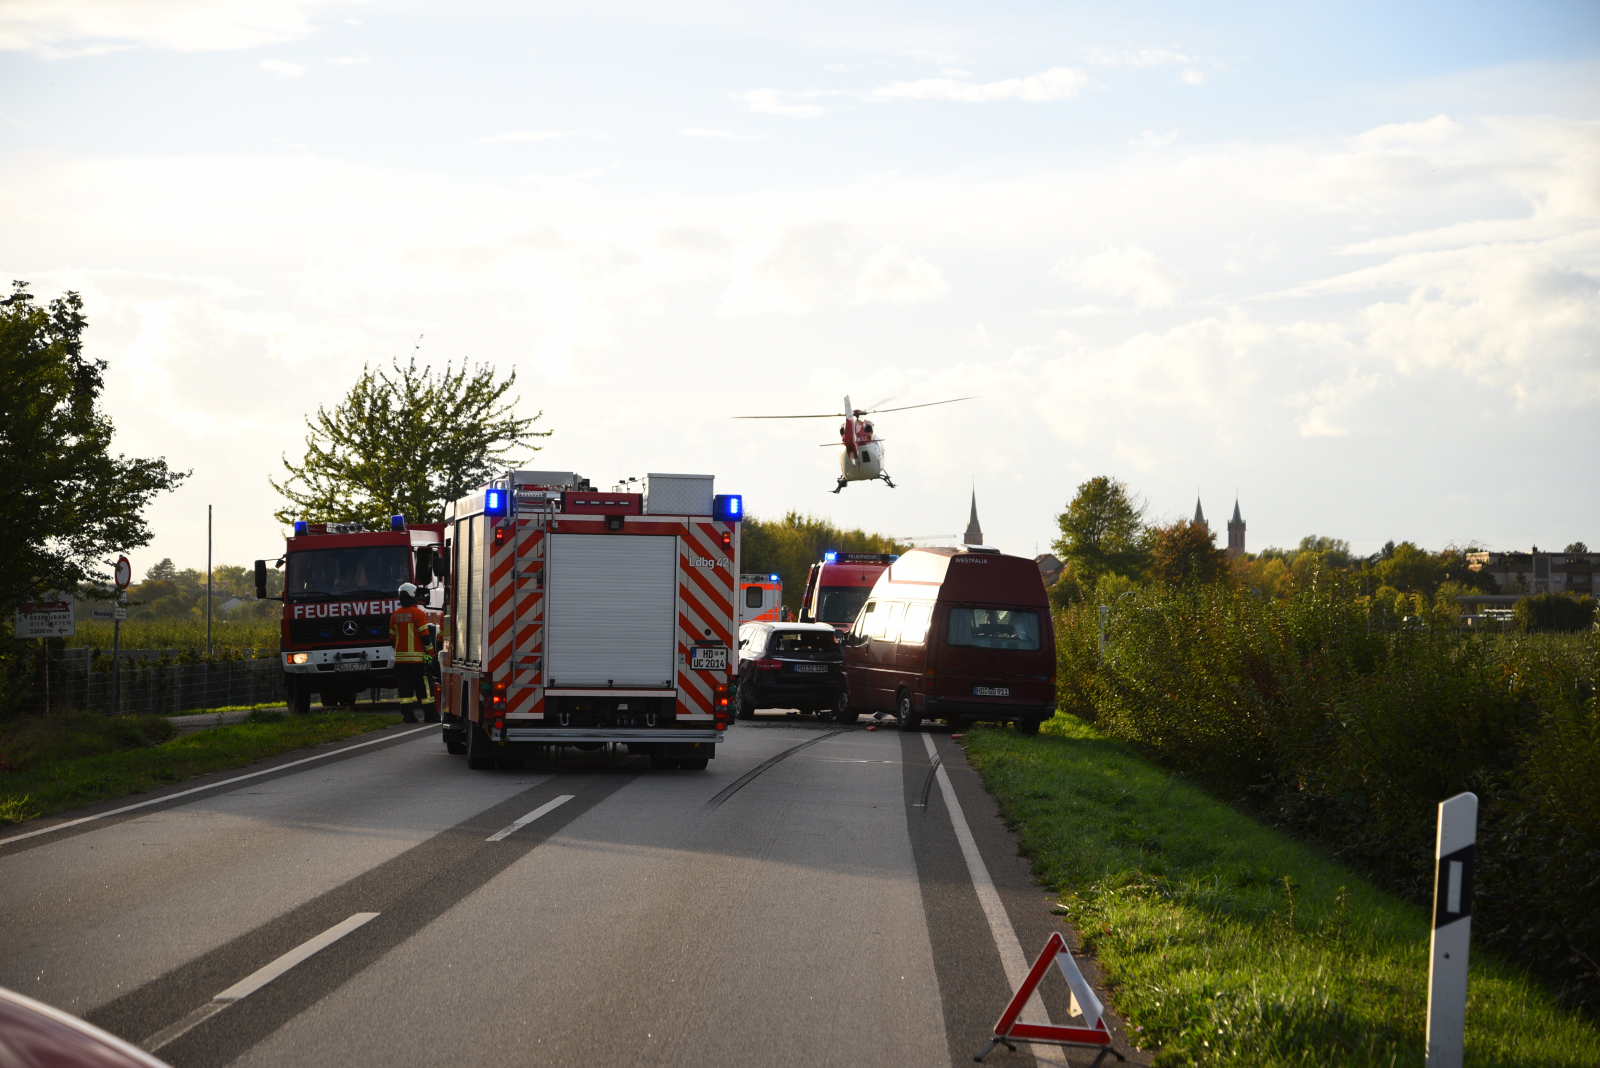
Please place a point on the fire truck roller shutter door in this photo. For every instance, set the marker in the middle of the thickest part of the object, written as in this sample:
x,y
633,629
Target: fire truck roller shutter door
x,y
611,613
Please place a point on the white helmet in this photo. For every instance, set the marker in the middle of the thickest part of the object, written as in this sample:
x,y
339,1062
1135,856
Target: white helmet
x,y
408,589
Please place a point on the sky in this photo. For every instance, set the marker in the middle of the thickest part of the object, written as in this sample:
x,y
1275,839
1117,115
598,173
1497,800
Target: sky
x,y
1342,260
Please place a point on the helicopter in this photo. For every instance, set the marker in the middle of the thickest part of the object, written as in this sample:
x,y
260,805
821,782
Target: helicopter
x,y
862,459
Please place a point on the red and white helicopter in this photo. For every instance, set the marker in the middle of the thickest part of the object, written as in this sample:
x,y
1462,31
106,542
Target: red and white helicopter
x,y
862,458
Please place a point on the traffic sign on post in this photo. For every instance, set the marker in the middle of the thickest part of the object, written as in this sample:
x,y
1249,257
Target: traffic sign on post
x,y
1452,929
124,573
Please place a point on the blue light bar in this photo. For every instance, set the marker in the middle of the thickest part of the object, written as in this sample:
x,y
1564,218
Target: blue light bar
x,y
494,502
728,507
774,578
397,522
301,528
829,558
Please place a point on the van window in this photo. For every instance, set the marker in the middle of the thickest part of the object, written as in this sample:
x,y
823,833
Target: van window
x,y
891,627
994,628
915,628
877,619
865,623
752,597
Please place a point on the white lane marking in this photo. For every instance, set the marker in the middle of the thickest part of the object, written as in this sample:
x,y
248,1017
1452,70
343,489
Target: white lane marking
x,y
548,806
257,979
199,789
994,910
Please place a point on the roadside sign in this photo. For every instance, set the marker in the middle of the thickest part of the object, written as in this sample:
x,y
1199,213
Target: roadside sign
x,y
124,573
106,615
1452,930
45,619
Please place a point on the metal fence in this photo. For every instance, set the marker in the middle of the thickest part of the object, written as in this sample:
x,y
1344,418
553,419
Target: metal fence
x,y
147,688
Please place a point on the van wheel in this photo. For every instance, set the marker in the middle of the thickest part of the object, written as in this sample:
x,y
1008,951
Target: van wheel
x,y
910,719
480,751
1027,726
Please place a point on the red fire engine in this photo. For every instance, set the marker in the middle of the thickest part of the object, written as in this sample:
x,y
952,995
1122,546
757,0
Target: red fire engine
x,y
578,617
339,589
838,586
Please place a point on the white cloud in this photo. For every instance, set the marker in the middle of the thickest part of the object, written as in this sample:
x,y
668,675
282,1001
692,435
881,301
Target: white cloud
x,y
1142,57
1124,271
821,264
283,68
1152,140
774,102
720,135
539,135
1057,83
55,28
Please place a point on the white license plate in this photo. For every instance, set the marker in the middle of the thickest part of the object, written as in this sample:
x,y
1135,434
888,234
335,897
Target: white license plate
x,y
708,658
357,666
812,669
991,691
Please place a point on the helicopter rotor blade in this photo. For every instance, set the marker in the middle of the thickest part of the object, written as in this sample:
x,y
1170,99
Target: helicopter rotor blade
x,y
834,415
908,407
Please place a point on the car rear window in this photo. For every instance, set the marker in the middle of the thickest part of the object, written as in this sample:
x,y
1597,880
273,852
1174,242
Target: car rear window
x,y
994,628
802,643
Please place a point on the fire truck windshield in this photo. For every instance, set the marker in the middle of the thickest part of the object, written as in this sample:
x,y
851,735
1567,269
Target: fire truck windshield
x,y
338,572
840,604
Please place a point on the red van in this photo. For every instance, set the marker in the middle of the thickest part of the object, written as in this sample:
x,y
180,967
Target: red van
x,y
955,634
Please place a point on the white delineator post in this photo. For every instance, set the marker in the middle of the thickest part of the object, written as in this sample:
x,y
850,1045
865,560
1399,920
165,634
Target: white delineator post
x,y
1452,930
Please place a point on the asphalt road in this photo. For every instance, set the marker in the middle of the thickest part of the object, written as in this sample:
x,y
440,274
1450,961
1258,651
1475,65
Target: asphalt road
x,y
819,896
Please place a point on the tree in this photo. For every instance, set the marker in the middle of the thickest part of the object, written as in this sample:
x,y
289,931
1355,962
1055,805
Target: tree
x,y
1102,531
1186,552
68,502
408,443
788,547
1577,547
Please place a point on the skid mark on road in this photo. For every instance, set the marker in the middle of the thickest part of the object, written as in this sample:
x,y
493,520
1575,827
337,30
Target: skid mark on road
x,y
744,780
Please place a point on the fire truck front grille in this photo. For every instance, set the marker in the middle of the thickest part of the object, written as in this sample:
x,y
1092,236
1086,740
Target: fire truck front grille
x,y
354,630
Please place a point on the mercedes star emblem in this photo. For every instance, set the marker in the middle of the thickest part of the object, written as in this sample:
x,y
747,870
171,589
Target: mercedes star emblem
x,y
350,627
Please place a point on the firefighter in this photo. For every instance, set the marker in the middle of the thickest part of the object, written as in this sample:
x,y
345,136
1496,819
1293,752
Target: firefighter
x,y
412,637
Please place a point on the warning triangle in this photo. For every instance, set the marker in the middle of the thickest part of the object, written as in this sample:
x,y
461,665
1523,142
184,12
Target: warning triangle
x,y
1084,1002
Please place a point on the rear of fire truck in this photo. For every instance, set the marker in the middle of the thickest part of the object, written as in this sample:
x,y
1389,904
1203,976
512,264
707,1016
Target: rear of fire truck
x,y
583,618
341,584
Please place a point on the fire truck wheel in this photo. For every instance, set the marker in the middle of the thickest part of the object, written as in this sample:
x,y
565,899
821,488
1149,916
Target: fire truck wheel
x,y
299,698
694,763
662,763
480,751
910,719
455,742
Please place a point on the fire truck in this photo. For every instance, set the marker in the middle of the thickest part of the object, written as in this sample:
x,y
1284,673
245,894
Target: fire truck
x,y
838,585
583,618
340,587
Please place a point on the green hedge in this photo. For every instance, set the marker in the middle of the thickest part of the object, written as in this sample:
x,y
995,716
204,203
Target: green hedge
x,y
1351,734
1554,611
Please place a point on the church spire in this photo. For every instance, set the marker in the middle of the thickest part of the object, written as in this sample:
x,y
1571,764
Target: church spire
x,y
974,534
1200,516
1236,532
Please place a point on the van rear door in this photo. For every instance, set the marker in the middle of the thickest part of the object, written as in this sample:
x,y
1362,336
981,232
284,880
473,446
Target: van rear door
x,y
993,655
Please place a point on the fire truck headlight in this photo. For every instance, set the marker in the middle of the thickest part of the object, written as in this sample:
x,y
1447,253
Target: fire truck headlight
x,y
727,507
299,658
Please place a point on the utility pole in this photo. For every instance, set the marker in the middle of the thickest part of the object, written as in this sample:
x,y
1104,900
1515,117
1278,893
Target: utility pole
x,y
208,580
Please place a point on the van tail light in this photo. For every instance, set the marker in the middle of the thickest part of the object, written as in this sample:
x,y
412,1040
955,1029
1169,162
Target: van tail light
x,y
722,705
769,665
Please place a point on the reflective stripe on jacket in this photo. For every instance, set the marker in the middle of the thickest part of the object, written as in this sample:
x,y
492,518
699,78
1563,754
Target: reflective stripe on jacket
x,y
409,634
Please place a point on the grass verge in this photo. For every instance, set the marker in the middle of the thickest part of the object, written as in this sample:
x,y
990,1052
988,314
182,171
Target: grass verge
x,y
51,785
1227,942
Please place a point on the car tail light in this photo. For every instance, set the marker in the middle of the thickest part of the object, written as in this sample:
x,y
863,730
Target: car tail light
x,y
769,665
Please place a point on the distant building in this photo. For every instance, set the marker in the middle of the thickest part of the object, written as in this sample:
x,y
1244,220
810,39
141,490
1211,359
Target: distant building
x,y
974,534
1050,568
1235,533
1537,572
1200,516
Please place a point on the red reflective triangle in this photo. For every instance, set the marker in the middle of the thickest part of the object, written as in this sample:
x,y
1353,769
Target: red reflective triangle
x,y
1008,1027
